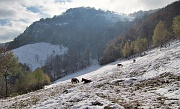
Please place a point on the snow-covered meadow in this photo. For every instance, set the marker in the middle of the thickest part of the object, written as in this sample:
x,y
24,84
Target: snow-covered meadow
x,y
34,55
153,81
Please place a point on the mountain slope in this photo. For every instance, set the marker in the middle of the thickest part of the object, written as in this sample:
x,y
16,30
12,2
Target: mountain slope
x,y
77,28
83,31
143,27
165,14
151,82
35,55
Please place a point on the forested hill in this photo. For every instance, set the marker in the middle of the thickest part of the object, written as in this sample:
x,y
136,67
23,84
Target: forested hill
x,y
77,28
143,27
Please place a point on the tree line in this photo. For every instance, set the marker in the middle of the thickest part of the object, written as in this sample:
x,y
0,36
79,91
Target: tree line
x,y
126,48
58,66
161,36
16,78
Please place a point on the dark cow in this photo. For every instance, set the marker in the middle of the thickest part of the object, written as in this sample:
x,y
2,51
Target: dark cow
x,y
85,81
74,80
119,65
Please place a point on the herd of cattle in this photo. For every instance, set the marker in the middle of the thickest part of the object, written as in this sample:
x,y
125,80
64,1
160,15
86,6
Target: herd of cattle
x,y
75,80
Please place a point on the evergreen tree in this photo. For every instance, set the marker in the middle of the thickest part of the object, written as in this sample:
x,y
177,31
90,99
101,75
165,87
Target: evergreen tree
x,y
161,34
23,83
87,55
57,64
176,26
8,66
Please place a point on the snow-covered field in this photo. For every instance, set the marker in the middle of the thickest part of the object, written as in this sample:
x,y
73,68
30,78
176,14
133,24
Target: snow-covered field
x,y
152,82
34,55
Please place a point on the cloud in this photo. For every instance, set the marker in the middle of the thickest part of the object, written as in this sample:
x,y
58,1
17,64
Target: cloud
x,y
5,13
153,4
7,33
122,6
16,15
14,19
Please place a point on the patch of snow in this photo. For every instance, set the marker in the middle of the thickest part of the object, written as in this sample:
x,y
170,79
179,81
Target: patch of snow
x,y
34,55
170,92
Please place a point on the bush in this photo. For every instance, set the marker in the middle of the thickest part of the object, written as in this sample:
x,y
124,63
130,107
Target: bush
x,y
47,79
32,81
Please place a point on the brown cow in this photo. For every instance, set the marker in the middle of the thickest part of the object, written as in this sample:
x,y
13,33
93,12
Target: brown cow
x,y
119,65
85,81
74,80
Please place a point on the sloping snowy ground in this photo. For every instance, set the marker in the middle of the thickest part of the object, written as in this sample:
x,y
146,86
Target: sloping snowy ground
x,y
34,55
153,81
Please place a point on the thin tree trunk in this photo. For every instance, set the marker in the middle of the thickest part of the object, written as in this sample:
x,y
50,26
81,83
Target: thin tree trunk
x,y
2,87
6,93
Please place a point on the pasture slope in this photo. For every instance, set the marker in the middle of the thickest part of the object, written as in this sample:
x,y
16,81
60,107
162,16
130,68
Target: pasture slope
x,y
153,81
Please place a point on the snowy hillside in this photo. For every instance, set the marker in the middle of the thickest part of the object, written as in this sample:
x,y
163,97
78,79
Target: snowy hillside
x,y
153,81
34,55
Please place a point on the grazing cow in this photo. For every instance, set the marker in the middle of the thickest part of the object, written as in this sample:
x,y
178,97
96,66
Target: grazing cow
x,y
134,60
119,65
85,81
74,80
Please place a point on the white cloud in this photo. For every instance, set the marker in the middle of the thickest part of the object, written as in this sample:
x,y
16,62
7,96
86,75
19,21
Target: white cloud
x,y
113,5
152,4
122,6
18,18
7,33
16,12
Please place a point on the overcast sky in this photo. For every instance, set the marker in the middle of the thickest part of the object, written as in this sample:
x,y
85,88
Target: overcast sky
x,y
16,15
